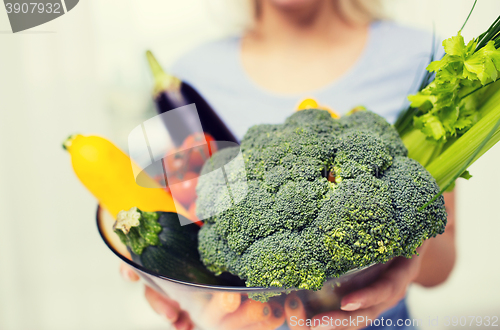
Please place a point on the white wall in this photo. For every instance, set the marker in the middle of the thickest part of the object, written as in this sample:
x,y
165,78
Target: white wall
x,y
85,72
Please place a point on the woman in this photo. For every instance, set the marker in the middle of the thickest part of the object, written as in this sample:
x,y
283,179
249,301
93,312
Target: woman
x,y
338,53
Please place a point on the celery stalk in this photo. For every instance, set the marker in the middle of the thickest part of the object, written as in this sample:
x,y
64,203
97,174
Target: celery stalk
x,y
420,148
444,168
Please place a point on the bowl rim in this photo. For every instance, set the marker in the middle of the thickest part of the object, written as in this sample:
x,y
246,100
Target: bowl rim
x,y
207,286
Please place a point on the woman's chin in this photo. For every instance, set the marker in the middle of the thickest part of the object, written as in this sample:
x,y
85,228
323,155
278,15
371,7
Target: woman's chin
x,y
295,4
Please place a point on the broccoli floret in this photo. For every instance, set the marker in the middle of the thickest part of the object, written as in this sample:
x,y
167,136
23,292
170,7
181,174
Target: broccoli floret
x,y
363,199
357,218
276,177
251,219
297,202
315,198
360,152
319,121
369,122
215,252
214,180
286,259
412,186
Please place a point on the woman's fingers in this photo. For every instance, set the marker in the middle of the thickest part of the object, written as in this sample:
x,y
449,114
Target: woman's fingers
x,y
165,307
374,294
127,273
390,286
365,305
349,320
183,322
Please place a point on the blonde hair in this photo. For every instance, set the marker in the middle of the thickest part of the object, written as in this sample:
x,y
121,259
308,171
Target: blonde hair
x,y
241,14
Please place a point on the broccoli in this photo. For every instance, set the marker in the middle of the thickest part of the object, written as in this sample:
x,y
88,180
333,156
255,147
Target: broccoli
x,y
321,197
366,121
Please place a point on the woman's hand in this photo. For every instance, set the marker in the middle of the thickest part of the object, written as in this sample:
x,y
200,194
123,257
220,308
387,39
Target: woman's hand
x,y
428,269
168,308
371,301
128,274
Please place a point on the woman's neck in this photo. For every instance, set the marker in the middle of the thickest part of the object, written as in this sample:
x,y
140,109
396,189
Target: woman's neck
x,y
287,46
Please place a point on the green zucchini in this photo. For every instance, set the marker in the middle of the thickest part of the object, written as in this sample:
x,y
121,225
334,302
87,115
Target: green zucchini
x,y
158,242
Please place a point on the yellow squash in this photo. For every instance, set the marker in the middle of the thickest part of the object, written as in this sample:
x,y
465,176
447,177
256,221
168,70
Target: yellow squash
x,y
107,173
312,104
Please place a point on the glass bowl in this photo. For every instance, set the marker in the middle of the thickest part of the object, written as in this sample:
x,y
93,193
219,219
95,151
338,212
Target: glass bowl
x,y
211,306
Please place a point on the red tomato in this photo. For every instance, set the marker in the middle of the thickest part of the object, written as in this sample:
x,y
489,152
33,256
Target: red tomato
x,y
197,139
331,176
184,189
200,146
175,161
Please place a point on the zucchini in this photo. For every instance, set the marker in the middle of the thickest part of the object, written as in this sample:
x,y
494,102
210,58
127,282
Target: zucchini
x,y
158,242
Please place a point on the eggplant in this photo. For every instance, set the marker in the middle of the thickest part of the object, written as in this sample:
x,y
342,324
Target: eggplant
x,y
171,93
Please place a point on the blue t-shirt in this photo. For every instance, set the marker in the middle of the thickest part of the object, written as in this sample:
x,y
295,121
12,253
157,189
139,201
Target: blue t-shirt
x,y
389,68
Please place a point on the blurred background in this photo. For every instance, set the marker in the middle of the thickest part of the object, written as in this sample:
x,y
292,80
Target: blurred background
x,y
86,72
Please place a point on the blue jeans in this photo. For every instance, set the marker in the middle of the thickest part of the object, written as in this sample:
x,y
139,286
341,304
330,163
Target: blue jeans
x,y
394,318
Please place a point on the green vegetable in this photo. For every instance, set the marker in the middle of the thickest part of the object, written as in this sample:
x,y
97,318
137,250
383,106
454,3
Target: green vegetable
x,y
451,117
159,243
320,196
